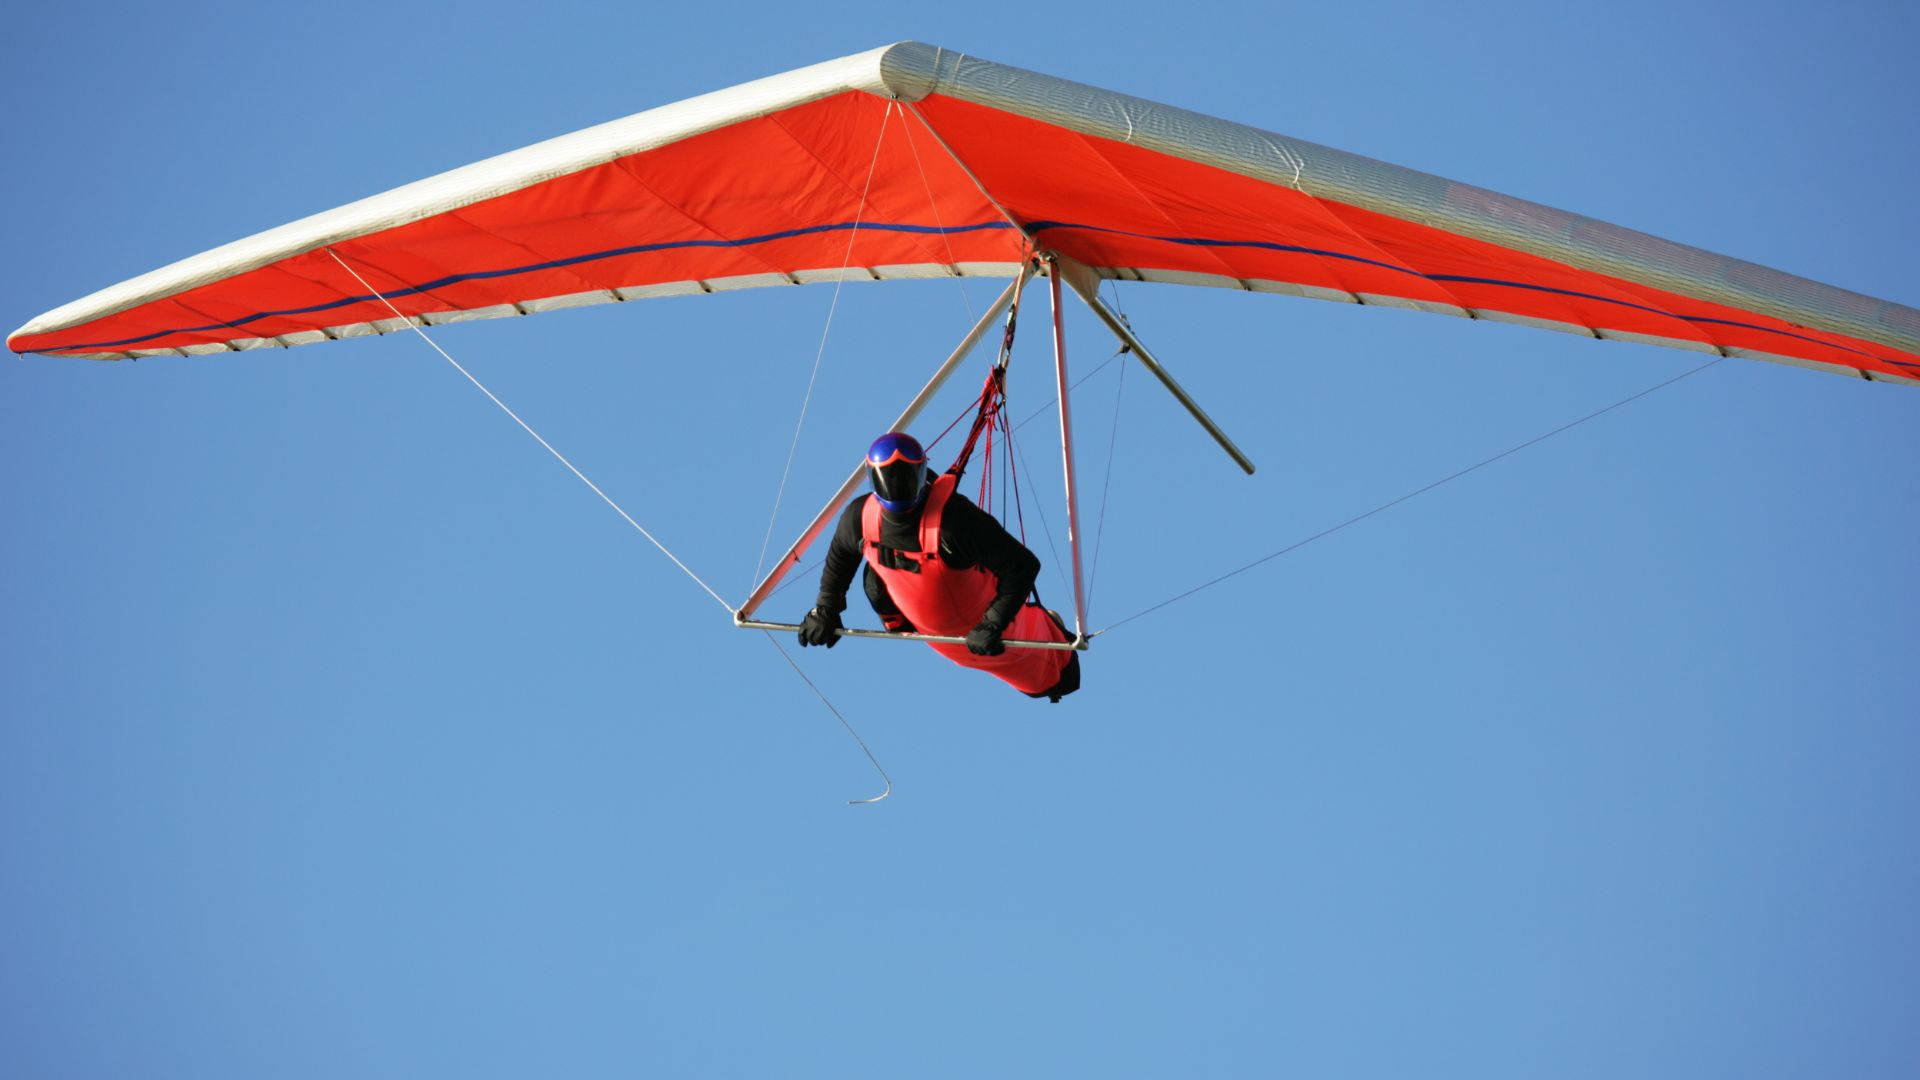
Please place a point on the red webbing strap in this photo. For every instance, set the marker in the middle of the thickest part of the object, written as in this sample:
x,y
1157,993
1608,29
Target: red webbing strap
x,y
931,516
869,526
985,498
992,397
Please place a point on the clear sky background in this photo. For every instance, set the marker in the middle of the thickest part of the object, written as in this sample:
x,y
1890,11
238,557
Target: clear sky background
x,y
342,733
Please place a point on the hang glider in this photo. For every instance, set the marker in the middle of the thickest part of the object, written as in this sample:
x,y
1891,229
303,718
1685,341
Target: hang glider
x,y
915,161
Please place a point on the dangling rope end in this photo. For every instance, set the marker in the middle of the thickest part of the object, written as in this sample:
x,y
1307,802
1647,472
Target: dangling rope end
x,y
862,743
875,799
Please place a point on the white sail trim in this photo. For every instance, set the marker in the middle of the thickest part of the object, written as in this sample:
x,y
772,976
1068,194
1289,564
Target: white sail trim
x,y
913,272
1339,176
477,182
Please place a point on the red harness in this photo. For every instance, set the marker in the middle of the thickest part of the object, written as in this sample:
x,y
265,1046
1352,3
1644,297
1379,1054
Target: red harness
x,y
938,599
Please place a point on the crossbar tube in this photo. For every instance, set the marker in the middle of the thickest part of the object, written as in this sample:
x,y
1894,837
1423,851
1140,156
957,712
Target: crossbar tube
x,y
1077,645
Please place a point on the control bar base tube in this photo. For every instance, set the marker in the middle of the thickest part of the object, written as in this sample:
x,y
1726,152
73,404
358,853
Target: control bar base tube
x,y
1086,283
820,522
1076,645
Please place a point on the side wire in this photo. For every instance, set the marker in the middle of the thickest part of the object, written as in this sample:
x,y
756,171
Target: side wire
x,y
1390,504
858,741
934,205
1046,527
562,458
1113,436
846,260
1048,407
1106,486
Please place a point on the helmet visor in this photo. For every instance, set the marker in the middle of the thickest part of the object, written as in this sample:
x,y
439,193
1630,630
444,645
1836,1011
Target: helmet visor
x,y
899,484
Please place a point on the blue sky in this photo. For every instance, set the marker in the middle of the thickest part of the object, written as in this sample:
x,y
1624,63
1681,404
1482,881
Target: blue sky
x,y
343,733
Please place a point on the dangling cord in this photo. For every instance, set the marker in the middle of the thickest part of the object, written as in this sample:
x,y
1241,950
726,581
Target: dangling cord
x,y
843,723
845,261
595,488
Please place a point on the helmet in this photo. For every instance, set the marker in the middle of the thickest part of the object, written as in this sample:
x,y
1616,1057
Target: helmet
x,y
899,470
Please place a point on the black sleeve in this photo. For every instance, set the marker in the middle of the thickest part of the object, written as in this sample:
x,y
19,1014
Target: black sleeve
x,y
969,536
843,558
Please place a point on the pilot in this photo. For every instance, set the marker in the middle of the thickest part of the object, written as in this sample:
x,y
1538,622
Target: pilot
x,y
937,564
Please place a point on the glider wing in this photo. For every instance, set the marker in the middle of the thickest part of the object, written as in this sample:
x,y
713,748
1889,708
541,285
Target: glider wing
x,y
915,161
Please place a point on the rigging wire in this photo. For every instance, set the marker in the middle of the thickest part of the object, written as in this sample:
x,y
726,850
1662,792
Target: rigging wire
x,y
840,280
1106,485
971,408
1039,505
946,240
1048,407
978,186
524,426
562,458
934,205
799,573
1113,436
1046,528
1449,478
1009,475
1123,350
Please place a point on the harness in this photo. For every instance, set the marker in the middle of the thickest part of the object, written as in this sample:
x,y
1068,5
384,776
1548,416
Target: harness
x,y
934,596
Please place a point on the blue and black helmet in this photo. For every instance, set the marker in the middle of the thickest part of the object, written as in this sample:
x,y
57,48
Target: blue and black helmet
x,y
899,469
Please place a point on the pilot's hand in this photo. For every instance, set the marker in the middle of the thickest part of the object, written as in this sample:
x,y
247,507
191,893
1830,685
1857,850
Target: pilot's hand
x,y
820,628
985,639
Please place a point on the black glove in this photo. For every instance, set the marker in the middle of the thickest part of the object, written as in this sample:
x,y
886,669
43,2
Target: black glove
x,y
820,628
985,639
